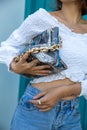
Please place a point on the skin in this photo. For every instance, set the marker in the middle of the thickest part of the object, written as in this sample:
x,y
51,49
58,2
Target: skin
x,y
51,96
22,67
54,91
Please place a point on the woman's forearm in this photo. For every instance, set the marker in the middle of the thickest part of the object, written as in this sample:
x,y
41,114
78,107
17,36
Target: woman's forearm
x,y
70,90
63,82
49,98
56,83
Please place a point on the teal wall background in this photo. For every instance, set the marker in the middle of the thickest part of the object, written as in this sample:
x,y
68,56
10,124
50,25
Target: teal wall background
x,y
11,16
30,7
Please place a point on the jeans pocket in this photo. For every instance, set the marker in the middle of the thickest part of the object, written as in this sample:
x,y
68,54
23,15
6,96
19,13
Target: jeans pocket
x,y
75,110
25,102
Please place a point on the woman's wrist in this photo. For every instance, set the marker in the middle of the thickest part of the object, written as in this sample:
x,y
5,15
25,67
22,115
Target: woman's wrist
x,y
70,90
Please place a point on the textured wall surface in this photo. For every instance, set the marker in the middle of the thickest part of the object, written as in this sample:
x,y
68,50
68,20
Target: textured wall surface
x,y
11,15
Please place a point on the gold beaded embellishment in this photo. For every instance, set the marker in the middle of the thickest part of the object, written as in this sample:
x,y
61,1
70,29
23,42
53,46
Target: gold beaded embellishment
x,y
42,49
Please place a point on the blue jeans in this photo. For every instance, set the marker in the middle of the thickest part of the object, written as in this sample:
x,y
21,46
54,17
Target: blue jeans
x,y
64,116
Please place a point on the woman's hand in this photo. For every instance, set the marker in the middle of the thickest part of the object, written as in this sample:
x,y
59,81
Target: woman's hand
x,y
23,67
50,97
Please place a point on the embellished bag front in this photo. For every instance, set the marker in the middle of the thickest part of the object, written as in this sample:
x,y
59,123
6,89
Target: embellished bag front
x,y
45,47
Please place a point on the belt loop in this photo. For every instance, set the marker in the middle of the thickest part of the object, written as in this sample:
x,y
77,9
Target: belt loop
x,y
72,104
61,104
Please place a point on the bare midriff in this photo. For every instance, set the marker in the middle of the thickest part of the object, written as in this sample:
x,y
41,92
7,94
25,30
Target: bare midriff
x,y
56,83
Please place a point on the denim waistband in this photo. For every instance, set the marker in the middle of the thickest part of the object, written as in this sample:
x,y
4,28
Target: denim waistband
x,y
63,103
68,103
32,90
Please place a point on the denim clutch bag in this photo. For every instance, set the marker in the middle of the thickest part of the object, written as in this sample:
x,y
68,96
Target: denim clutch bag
x,y
45,47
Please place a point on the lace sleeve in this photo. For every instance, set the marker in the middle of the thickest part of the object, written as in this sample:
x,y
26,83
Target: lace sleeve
x,y
31,26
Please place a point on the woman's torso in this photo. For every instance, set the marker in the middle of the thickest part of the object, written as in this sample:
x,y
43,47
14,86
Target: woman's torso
x,y
73,53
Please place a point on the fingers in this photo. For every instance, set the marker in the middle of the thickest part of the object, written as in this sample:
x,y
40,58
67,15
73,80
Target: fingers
x,y
43,107
13,61
24,57
30,67
42,100
33,63
35,102
12,65
42,67
39,95
43,72
33,69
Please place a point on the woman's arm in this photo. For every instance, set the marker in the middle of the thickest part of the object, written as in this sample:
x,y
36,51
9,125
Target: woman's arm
x,y
30,27
31,68
50,97
55,83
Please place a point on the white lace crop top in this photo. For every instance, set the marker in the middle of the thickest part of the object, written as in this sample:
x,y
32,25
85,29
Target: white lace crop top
x,y
73,51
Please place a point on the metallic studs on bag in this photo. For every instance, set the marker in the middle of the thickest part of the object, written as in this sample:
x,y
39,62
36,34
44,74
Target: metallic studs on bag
x,y
44,49
47,41
41,49
34,50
